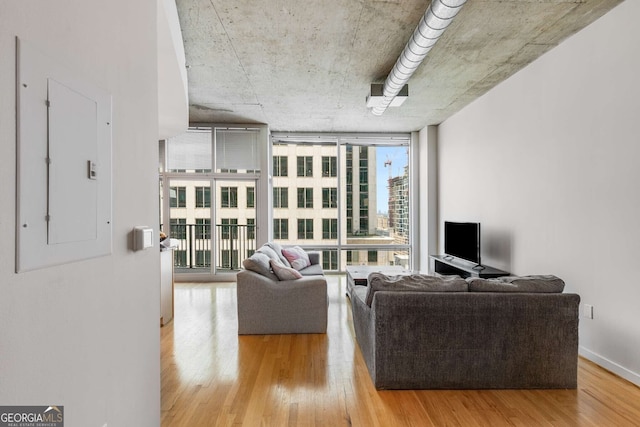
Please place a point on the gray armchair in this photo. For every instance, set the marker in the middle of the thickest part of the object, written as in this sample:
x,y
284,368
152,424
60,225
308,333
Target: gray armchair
x,y
267,305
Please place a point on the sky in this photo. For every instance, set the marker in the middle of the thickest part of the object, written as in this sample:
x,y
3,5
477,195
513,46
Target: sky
x,y
399,159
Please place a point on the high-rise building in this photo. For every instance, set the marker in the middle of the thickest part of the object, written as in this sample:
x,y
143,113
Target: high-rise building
x,y
399,215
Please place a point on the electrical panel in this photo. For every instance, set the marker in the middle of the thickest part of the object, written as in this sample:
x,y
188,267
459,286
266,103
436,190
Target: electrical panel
x,y
63,164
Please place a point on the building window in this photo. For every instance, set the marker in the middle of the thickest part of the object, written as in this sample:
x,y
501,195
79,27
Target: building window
x,y
329,228
305,229
178,197
330,260
203,197
329,197
178,228
364,225
364,174
280,166
305,166
281,228
280,197
229,197
305,198
203,258
229,228
251,197
179,258
372,257
329,166
203,228
251,228
229,259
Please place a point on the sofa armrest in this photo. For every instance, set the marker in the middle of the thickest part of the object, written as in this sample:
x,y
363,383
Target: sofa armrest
x,y
364,327
314,257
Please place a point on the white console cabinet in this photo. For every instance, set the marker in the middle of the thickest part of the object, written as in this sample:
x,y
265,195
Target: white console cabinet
x,y
166,286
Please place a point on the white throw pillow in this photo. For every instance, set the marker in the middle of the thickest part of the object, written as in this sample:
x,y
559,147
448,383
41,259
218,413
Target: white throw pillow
x,y
297,257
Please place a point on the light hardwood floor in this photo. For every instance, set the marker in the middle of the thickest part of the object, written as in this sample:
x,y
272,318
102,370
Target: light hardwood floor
x,y
211,376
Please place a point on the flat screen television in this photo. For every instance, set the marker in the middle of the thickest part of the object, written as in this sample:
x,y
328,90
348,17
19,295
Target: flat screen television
x,y
462,240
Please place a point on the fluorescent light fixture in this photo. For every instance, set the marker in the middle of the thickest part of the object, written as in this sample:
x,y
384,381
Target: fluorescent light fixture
x,y
375,97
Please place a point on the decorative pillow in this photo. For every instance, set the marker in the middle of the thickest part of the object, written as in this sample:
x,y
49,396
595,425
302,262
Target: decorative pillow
x,y
283,272
259,263
528,284
268,252
277,248
414,283
297,257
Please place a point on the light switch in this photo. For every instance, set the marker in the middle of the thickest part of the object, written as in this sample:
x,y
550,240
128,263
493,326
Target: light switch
x,y
142,238
92,171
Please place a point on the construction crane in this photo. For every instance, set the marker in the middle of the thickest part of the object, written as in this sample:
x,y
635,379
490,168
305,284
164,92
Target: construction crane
x,y
388,163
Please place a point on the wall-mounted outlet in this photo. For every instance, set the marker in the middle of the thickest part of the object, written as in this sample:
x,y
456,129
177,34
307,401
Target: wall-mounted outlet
x,y
587,311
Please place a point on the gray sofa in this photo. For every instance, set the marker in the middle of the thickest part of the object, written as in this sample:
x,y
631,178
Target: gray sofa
x,y
268,305
495,336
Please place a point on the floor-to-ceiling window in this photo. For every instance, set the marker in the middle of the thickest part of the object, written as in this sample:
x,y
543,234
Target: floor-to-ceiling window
x,y
345,195
209,203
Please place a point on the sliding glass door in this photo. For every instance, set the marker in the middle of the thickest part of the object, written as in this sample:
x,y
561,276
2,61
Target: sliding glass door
x,y
208,181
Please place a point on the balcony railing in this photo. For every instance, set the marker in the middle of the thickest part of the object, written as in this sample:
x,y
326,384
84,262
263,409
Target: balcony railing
x,y
233,243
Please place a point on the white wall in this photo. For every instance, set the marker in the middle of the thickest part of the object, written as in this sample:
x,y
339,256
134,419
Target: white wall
x,y
428,199
86,335
549,163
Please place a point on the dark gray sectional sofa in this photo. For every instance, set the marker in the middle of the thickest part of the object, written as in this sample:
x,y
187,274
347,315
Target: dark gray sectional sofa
x,y
499,335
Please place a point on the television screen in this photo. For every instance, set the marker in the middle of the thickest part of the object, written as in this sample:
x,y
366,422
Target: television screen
x,y
462,240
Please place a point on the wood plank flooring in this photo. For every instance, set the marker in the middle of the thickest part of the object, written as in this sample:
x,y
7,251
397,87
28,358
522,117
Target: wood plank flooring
x,y
213,377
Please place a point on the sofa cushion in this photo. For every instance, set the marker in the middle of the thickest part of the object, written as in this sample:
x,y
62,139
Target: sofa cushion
x,y
528,284
283,272
277,248
312,270
259,263
414,282
297,257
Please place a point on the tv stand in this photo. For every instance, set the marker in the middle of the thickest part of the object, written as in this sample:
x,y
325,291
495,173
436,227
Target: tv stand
x,y
445,265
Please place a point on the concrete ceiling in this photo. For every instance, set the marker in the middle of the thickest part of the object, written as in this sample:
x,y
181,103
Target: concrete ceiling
x,y
301,65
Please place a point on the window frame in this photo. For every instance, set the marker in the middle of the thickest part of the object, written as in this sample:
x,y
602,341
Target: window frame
x,y
357,156
251,197
203,196
281,166
278,229
304,166
329,197
307,229
228,197
282,202
305,197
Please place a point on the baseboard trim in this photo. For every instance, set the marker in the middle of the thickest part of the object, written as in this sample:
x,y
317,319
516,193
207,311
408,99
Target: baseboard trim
x,y
607,364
